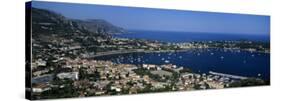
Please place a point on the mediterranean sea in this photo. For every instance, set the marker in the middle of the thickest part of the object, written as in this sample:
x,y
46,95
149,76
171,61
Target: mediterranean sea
x,y
235,62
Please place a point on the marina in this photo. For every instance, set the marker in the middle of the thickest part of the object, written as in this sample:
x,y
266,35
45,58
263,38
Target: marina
x,y
234,62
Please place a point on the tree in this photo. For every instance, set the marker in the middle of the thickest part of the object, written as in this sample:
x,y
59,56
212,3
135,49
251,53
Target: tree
x,y
248,82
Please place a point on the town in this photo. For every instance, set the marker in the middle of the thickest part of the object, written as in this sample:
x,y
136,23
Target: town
x,y
64,62
94,78
84,76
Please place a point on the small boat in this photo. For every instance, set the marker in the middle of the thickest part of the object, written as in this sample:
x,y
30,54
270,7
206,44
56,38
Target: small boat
x,y
139,59
167,61
170,53
180,57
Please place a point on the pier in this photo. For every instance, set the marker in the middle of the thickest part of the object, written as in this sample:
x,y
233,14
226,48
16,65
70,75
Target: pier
x,y
227,75
115,52
131,51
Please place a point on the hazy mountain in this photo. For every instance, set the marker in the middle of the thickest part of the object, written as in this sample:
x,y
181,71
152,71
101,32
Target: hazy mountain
x,y
44,20
52,29
100,26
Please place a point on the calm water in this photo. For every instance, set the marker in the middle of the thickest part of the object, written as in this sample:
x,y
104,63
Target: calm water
x,y
241,63
190,36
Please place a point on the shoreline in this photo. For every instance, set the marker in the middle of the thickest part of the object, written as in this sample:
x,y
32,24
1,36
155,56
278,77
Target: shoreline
x,y
120,52
172,51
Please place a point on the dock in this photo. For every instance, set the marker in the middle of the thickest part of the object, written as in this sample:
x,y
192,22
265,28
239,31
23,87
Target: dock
x,y
227,75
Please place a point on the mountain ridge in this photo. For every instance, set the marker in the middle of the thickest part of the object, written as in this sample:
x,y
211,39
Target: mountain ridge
x,y
43,17
99,26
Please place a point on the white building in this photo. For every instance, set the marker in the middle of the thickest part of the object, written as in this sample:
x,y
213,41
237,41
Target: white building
x,y
40,88
69,75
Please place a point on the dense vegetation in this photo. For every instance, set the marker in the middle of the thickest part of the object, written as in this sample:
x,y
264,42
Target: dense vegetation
x,y
249,82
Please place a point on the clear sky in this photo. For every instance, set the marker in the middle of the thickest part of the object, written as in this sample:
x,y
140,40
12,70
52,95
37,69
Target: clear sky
x,y
163,20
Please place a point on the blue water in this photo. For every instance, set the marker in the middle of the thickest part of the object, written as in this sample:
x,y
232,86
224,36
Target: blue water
x,y
241,63
190,36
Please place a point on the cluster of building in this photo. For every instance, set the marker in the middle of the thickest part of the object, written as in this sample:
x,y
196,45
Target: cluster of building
x,y
92,77
64,63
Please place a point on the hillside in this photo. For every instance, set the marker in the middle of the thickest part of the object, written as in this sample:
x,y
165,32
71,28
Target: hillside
x,y
100,26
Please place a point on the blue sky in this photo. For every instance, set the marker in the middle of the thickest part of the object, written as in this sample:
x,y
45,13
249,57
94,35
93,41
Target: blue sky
x,y
163,20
